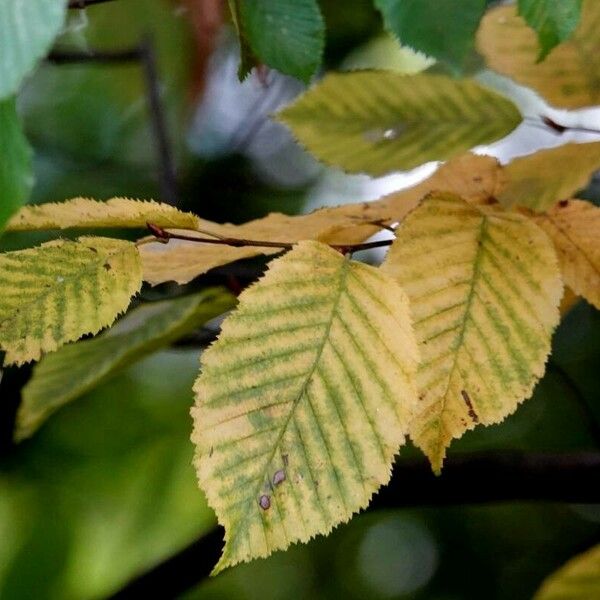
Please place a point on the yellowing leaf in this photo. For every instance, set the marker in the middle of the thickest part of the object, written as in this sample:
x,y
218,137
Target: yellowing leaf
x,y
181,261
539,180
61,290
303,401
574,227
117,212
66,374
380,121
484,287
579,579
569,75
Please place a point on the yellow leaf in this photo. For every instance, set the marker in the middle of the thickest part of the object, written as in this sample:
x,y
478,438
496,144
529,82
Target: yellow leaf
x,y
484,287
380,121
569,75
574,227
61,290
579,579
303,401
541,179
84,212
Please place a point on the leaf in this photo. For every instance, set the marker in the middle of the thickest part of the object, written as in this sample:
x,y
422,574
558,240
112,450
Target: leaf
x,y
568,77
287,35
27,30
247,59
380,121
16,170
66,374
444,29
303,401
578,579
61,290
477,178
484,287
574,227
553,20
117,212
539,180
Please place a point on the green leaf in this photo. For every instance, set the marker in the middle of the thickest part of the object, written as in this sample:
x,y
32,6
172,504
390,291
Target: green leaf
x,y
579,579
247,59
287,35
61,290
27,30
303,401
378,121
16,177
484,287
553,20
65,375
444,29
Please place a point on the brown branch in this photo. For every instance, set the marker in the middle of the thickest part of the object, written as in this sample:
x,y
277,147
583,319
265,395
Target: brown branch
x,y
164,236
466,479
560,129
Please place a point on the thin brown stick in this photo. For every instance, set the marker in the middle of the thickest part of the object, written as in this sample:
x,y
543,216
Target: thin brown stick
x,y
162,235
81,4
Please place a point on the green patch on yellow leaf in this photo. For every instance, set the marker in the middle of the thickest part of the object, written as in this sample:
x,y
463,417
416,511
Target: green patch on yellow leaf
x,y
61,290
303,401
484,287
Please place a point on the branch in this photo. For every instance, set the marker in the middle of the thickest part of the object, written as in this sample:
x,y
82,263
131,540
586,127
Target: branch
x,y
162,235
466,479
81,4
65,57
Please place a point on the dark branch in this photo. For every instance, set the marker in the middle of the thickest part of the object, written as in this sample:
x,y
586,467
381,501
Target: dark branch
x,y
65,57
466,479
164,236
81,4
168,175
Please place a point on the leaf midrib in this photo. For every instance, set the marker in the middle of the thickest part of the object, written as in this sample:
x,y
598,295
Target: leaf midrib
x,y
344,269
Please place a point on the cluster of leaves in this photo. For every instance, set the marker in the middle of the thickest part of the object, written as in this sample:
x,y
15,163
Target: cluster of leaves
x,y
328,364
296,30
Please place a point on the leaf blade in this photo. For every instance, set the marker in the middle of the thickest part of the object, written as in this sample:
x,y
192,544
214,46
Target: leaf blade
x,y
284,412
377,121
16,168
62,290
66,374
483,310
28,30
574,228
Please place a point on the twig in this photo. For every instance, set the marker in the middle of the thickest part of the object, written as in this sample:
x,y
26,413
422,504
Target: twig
x,y
168,179
164,236
81,4
560,129
60,57
466,479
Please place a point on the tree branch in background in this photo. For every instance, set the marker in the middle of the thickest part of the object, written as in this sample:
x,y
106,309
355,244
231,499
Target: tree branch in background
x,y
145,55
466,479
81,4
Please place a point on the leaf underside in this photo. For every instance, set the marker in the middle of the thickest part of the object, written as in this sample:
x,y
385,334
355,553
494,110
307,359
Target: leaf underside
x,y
303,401
379,121
61,290
574,228
62,376
484,287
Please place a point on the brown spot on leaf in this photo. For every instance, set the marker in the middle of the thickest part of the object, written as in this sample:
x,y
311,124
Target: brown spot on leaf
x,y
470,408
264,502
107,266
279,477
563,203
284,458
